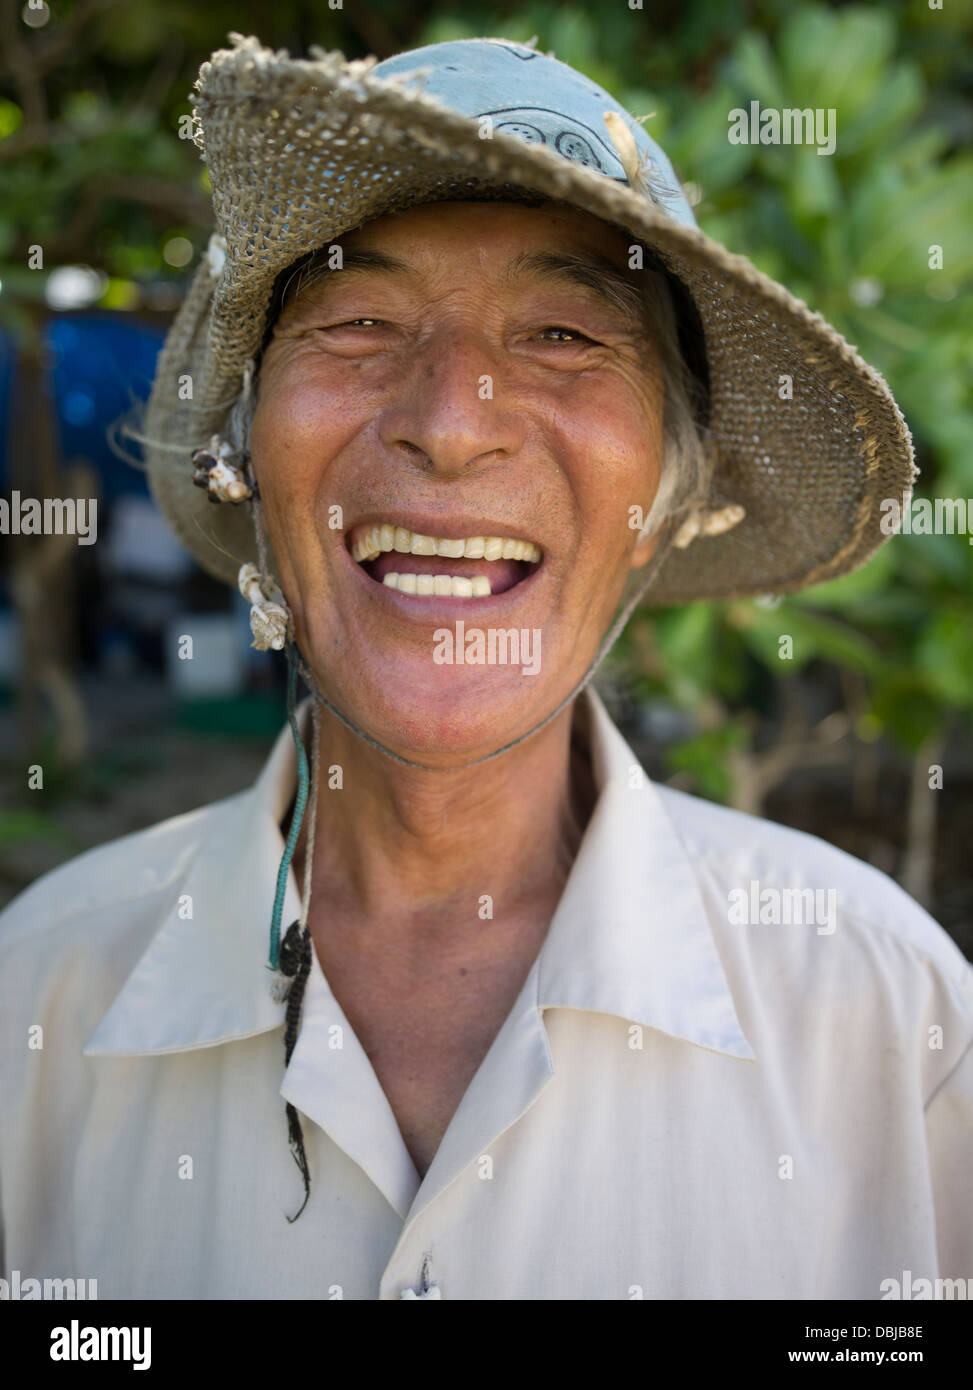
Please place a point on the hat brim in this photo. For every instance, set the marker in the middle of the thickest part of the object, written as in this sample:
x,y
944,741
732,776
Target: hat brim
x,y
302,151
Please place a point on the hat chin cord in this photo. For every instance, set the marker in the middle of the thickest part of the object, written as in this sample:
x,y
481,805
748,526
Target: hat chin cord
x,y
272,625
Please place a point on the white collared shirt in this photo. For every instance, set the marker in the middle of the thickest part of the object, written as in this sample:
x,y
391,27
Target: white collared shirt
x,y
685,1101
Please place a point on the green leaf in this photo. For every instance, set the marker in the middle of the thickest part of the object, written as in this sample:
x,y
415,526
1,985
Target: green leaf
x,y
700,148
753,68
850,589
945,656
706,757
936,210
812,636
897,102
814,190
11,118
904,706
836,60
18,827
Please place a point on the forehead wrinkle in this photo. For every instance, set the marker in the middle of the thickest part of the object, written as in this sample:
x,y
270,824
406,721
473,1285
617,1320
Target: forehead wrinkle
x,y
588,271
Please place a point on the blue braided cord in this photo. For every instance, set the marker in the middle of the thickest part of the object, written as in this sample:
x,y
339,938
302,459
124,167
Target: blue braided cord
x,y
303,782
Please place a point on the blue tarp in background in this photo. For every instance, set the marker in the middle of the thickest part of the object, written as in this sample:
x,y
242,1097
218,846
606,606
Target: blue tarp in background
x,y
98,365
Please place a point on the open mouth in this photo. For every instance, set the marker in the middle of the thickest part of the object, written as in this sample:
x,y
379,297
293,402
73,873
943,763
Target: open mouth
x,y
444,567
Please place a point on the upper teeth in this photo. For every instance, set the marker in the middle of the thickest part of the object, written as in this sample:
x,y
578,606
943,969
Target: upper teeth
x,y
386,537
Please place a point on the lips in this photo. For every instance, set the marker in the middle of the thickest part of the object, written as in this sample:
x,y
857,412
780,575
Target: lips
x,y
449,567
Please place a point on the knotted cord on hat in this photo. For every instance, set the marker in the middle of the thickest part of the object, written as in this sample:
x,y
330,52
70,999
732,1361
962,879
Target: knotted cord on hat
x,y
273,627
293,956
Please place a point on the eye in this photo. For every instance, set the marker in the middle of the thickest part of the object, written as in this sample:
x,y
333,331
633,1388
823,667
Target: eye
x,y
351,323
572,334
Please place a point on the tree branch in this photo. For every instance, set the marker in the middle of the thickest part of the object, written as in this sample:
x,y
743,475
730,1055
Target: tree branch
x,y
22,67
920,850
48,54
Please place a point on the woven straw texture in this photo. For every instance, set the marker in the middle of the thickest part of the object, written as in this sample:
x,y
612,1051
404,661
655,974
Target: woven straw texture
x,y
301,151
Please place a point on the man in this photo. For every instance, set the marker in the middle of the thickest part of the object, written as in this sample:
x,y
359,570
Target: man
x,y
469,388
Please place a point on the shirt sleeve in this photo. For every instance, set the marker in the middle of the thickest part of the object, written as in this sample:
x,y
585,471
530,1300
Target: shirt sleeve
x,y
949,1130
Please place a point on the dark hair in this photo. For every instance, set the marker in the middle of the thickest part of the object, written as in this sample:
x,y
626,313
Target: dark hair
x,y
294,960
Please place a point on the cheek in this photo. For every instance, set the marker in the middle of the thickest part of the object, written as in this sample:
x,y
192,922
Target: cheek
x,y
302,421
616,451
302,417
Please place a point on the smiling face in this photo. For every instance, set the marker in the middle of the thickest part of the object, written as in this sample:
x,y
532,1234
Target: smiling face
x,y
476,393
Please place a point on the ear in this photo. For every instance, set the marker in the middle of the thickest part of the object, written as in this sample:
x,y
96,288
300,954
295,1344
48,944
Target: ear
x,y
645,548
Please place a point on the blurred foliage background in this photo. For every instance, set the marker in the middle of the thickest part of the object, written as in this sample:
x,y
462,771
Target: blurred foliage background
x,y
842,738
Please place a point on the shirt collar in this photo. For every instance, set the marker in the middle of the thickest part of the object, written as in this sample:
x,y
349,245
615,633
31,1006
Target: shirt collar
x,y
630,936
205,979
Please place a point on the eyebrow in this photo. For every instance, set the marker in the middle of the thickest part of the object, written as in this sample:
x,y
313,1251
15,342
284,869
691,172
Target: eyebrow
x,y
314,270
588,271
374,260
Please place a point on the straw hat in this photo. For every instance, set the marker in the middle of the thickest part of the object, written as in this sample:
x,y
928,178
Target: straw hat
x,y
300,152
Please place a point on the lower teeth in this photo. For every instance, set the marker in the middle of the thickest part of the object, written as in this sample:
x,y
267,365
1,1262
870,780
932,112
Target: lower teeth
x,y
442,585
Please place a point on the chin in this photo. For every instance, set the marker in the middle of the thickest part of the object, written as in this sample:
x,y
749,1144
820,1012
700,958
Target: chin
x,y
445,713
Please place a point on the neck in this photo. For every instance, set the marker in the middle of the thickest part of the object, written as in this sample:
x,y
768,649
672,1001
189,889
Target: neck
x,y
404,851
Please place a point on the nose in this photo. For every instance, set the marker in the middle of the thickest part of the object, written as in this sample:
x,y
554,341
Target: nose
x,y
454,409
